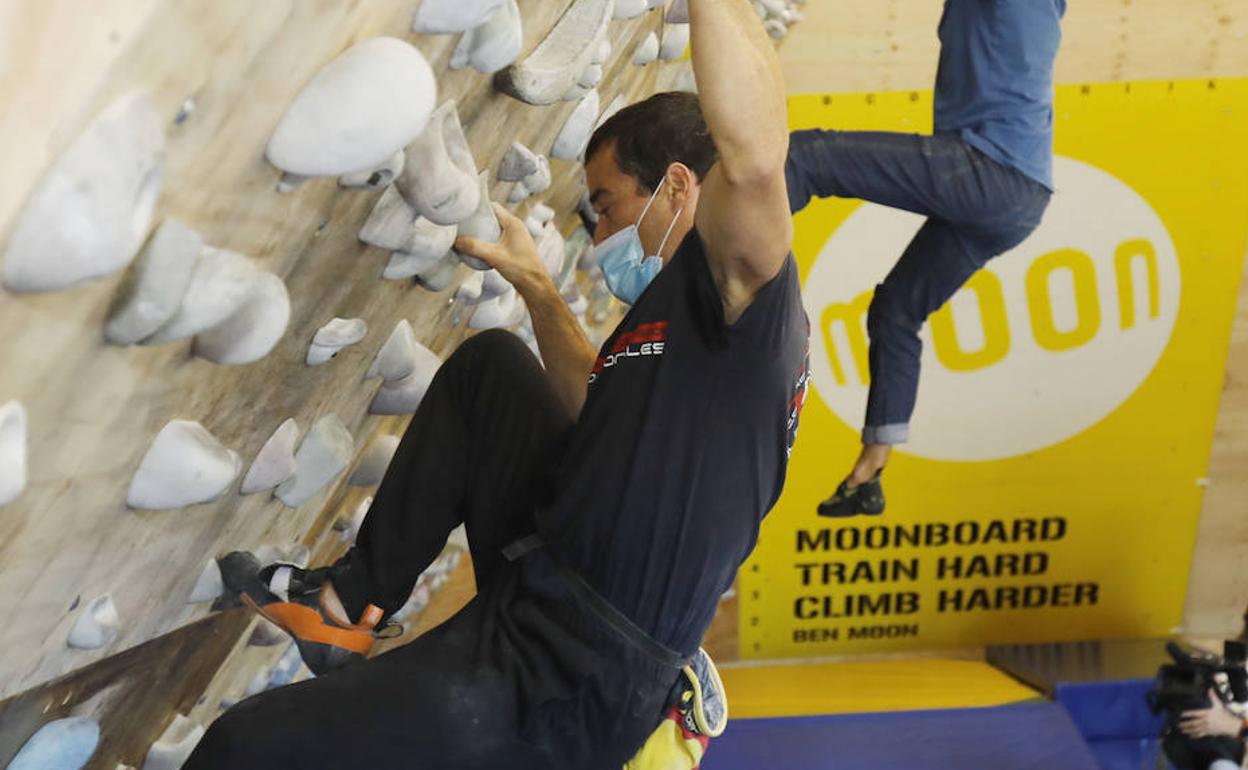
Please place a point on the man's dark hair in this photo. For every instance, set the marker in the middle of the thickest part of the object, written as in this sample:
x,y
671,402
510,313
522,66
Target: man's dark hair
x,y
651,135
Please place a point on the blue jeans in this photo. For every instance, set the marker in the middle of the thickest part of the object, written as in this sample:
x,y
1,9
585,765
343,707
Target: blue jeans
x,y
976,209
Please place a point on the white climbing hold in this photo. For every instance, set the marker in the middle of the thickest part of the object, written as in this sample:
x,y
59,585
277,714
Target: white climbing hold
x,y
518,163
647,51
497,313
375,178
62,744
776,28
275,462
494,44
545,75
92,209
617,104
174,746
155,285
12,451
444,17
405,265
357,111
483,224
220,283
397,357
439,276
255,328
591,77
209,585
574,136
493,284
440,177
396,226
539,181
603,53
97,625
351,528
324,454
469,292
374,461
405,395
629,9
333,337
185,465
675,41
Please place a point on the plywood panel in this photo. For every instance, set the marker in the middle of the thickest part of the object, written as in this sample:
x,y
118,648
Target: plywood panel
x,y
94,409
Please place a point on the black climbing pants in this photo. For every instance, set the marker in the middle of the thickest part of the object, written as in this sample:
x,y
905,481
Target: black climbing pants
x,y
528,675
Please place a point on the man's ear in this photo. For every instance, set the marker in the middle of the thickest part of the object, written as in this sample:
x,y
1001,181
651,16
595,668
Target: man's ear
x,y
681,182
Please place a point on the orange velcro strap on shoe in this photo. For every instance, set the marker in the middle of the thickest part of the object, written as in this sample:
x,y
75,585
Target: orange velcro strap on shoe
x,y
307,624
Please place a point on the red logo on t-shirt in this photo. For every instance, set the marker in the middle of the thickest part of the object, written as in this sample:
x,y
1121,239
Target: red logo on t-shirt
x,y
647,340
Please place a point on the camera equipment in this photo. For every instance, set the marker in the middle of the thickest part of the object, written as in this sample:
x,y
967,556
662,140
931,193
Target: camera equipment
x,y
1184,685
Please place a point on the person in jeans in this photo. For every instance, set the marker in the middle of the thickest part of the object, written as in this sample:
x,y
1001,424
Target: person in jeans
x,y
609,497
983,180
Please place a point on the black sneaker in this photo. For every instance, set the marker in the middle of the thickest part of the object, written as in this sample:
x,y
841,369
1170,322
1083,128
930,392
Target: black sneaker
x,y
863,500
325,643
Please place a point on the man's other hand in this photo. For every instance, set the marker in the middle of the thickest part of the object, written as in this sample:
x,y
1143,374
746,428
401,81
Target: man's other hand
x,y
1213,721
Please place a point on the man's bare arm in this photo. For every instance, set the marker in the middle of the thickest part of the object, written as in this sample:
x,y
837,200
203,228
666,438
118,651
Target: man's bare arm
x,y
743,214
566,352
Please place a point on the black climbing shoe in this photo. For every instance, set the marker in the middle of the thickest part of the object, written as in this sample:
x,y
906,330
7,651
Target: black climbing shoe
x,y
863,500
325,643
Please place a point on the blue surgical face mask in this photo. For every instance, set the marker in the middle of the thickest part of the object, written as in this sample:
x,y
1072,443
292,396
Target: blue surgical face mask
x,y
623,259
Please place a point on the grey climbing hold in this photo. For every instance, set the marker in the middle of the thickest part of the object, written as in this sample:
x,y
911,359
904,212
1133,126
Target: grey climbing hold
x,y
174,746
439,276
185,465
518,163
444,17
397,357
339,333
322,457
406,265
395,225
675,41
154,286
440,177
483,224
559,61
405,395
374,461
62,744
253,330
220,283
12,451
357,111
97,625
275,461
91,211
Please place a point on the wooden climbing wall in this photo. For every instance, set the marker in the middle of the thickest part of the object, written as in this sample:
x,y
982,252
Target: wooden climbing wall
x,y
94,409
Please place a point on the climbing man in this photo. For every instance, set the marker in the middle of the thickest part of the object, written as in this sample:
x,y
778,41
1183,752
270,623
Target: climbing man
x,y
983,180
609,498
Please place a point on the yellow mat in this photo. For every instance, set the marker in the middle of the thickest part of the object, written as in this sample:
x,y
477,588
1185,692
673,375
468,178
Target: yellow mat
x,y
847,688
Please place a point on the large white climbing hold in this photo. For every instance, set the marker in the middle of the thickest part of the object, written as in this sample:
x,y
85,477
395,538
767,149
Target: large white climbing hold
x,y
357,111
444,17
497,313
574,136
12,451
97,625
324,454
440,177
406,265
275,462
209,584
62,744
185,465
155,285
339,333
254,330
405,395
483,224
374,461
559,60
397,357
174,746
675,41
375,178
395,225
493,44
439,276
220,283
91,210
647,51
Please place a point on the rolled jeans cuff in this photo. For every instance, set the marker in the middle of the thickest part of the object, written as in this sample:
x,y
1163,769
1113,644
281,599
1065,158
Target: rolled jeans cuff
x,y
897,433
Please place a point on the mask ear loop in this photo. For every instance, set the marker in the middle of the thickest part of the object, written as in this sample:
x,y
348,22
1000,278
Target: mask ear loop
x,y
668,234
653,197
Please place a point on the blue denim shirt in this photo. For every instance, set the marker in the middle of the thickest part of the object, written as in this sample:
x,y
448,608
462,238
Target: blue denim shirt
x,y
995,82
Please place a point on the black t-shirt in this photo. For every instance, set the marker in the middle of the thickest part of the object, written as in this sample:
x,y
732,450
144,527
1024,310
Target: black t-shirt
x,y
682,446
